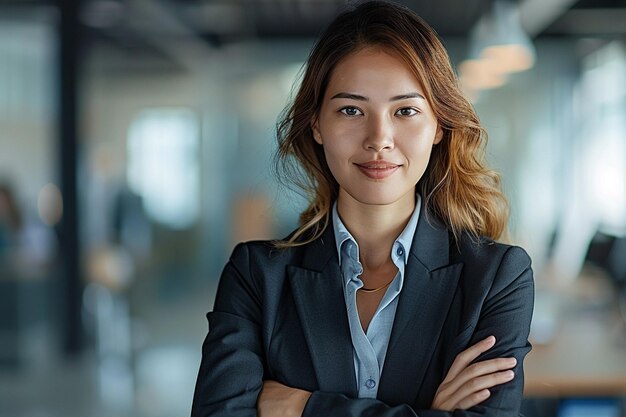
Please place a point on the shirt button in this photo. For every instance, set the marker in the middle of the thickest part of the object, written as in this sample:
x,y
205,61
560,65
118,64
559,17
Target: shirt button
x,y
370,383
400,251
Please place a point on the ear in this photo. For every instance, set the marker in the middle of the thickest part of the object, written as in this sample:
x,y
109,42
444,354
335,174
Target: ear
x,y
438,135
315,127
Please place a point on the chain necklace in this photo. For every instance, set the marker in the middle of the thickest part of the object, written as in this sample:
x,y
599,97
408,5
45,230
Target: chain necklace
x,y
371,290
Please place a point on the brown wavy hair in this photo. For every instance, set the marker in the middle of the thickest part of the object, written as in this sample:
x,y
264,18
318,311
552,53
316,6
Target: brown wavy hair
x,y
457,186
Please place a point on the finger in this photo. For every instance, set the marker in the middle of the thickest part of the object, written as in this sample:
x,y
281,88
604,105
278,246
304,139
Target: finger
x,y
474,399
483,368
468,355
479,369
479,384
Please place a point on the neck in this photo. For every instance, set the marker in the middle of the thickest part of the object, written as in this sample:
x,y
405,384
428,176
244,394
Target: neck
x,y
375,227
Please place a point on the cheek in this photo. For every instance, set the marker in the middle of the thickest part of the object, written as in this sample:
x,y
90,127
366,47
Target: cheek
x,y
335,129
425,131
418,138
336,154
418,149
423,152
424,159
339,143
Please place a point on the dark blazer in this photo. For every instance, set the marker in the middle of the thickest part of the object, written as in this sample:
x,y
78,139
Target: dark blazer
x,y
281,315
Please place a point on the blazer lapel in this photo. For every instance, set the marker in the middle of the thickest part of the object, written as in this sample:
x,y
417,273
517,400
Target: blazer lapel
x,y
428,289
318,294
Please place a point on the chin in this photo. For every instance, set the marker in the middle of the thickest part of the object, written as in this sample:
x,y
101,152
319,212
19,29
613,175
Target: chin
x,y
377,197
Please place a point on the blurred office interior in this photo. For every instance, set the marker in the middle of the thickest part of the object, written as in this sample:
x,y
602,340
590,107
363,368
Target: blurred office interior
x,y
136,139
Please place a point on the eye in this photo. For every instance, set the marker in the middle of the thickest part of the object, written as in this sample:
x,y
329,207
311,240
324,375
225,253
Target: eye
x,y
407,112
351,111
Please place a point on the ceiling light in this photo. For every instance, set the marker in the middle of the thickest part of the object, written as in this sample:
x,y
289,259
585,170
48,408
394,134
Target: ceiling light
x,y
499,39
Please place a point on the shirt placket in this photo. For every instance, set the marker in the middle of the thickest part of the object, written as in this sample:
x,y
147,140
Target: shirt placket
x,y
368,372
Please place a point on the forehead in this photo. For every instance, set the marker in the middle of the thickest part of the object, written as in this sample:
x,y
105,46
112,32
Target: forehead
x,y
374,67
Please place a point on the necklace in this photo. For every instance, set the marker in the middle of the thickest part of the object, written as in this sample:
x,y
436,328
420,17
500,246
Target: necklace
x,y
371,290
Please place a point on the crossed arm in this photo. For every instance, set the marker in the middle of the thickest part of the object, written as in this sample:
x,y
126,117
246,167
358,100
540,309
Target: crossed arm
x,y
466,385
230,379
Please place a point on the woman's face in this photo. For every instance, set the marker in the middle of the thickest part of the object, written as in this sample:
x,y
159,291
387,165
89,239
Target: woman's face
x,y
376,128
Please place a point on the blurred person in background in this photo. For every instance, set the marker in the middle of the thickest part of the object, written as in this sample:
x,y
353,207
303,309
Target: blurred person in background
x,y
393,297
10,221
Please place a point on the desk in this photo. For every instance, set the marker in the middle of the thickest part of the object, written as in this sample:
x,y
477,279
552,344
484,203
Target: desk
x,y
583,360
586,357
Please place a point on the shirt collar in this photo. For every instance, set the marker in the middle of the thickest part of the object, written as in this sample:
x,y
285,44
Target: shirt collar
x,y
404,240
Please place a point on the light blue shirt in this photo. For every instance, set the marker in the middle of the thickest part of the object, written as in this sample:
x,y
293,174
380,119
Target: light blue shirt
x,y
370,348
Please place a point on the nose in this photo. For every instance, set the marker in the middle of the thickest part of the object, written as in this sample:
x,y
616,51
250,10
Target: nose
x,y
379,134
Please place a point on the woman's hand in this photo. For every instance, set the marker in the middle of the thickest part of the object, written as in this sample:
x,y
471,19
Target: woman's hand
x,y
467,384
278,400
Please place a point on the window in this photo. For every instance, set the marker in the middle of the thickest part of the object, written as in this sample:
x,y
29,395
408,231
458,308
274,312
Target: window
x,y
163,166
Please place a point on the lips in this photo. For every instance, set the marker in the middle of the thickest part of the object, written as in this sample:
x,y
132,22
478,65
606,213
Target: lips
x,y
377,170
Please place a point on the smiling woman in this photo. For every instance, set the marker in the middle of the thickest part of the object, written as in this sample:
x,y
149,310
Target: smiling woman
x,y
392,298
375,124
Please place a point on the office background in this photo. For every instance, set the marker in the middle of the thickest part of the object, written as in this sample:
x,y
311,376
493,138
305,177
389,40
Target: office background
x,y
135,135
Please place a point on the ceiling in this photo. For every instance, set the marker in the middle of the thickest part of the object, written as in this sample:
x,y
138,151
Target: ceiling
x,y
304,18
139,26
601,18
224,21
159,29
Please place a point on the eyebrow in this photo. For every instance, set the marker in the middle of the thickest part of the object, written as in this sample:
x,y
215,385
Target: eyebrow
x,y
363,98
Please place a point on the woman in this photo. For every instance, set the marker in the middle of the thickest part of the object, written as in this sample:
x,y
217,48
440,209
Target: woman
x,y
392,297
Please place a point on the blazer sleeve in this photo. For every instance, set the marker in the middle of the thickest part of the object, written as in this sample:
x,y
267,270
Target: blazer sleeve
x,y
231,371
506,313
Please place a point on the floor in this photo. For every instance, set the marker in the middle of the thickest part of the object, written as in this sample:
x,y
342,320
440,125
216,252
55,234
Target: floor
x,y
154,377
